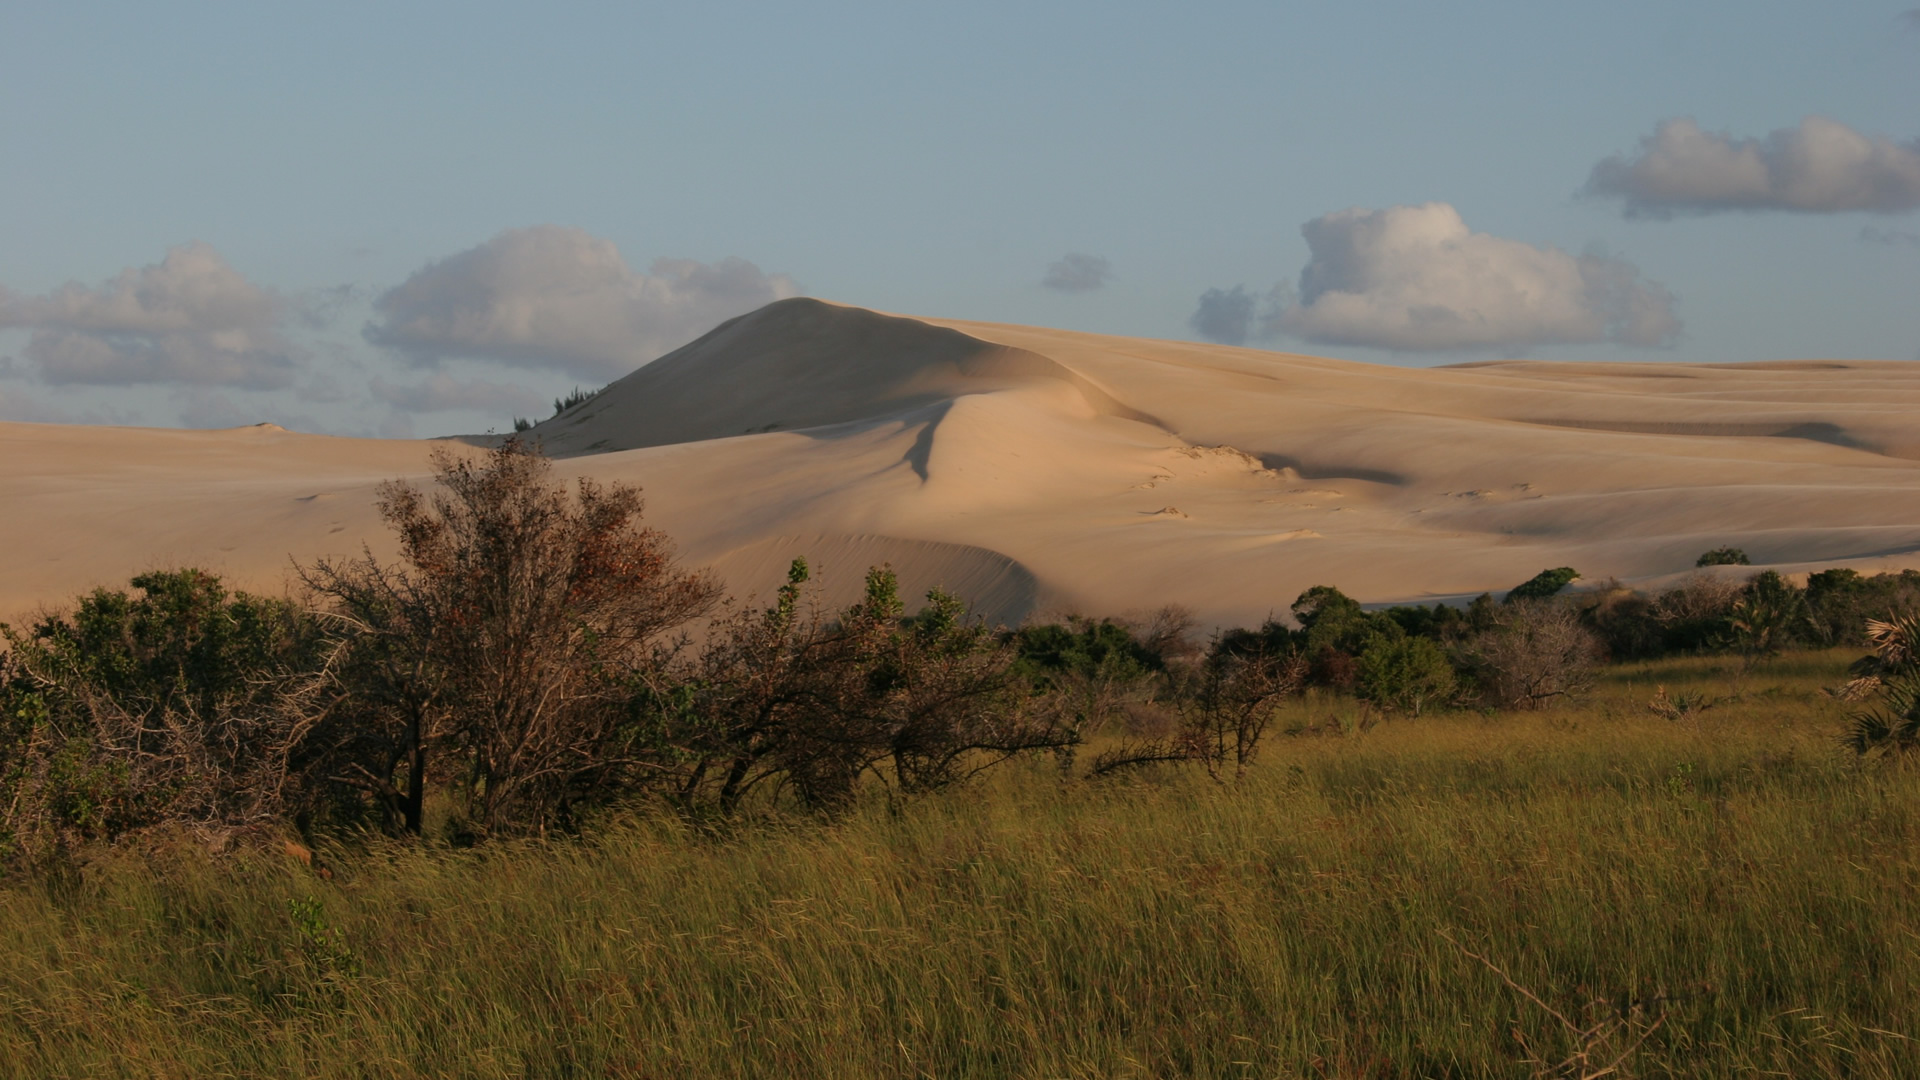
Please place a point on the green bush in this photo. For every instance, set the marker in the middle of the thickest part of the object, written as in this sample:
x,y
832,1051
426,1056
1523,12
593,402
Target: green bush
x,y
1770,615
1404,674
136,710
1543,584
1089,648
1724,556
1840,601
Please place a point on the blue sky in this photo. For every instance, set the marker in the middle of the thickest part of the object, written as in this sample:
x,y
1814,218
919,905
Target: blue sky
x,y
423,218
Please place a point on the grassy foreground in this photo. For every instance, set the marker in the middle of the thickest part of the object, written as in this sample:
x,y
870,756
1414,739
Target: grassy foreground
x,y
1726,896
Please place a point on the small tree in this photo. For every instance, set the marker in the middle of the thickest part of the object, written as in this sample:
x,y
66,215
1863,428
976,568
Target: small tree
x,y
1769,615
1543,584
1724,556
503,653
1405,673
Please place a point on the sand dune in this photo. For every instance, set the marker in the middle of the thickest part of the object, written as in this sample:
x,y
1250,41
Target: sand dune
x,y
1045,470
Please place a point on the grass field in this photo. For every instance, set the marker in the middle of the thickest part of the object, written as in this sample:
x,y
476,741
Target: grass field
x,y
1731,895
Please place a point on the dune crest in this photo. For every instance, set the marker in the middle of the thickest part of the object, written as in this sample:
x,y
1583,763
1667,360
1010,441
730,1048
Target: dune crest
x,y
799,364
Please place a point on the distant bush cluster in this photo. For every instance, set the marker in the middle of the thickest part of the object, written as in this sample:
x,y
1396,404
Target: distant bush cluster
x,y
527,665
560,405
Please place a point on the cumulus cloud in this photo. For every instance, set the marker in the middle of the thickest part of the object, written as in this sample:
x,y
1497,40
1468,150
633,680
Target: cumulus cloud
x,y
440,392
1078,272
1822,166
190,319
555,297
1414,278
1224,316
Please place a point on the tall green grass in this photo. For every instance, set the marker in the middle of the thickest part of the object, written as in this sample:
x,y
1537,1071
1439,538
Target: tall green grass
x,y
1735,889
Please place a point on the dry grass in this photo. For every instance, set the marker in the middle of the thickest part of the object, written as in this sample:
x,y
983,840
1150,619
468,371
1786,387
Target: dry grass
x,y
1410,900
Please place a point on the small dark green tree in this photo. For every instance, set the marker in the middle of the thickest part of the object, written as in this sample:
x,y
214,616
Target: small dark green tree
x,y
1724,556
1334,630
1404,674
1543,584
1093,670
1769,615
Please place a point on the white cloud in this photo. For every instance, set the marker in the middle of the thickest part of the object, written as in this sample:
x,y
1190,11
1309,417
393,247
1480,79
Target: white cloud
x,y
1822,166
440,392
190,319
1414,278
555,297
1078,272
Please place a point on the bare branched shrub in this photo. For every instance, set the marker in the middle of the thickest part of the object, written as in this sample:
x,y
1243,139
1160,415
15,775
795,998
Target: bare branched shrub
x,y
1535,652
1699,597
1223,710
1693,615
1169,634
787,700
503,654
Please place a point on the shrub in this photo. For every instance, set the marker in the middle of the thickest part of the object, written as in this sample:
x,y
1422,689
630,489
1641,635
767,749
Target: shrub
x,y
1537,652
1223,710
1625,622
503,653
134,711
1094,670
1543,584
1334,631
1405,674
1841,601
784,699
577,397
1330,619
1892,726
1693,615
1087,648
1723,556
1440,622
1769,615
